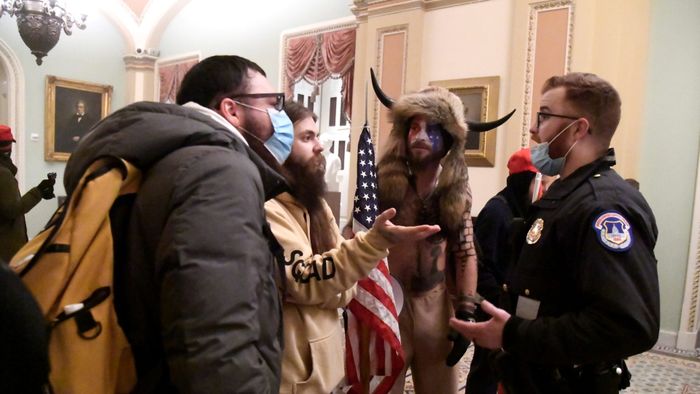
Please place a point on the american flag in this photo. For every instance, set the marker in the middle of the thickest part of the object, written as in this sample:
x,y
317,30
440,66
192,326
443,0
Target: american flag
x,y
374,305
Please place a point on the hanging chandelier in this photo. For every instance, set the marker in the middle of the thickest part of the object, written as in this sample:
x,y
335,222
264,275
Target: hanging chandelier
x,y
40,23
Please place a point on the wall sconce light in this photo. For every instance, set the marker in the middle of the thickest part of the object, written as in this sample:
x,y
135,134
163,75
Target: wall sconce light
x,y
40,23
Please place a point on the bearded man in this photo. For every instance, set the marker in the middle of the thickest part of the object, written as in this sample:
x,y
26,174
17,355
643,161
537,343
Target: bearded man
x,y
423,174
320,270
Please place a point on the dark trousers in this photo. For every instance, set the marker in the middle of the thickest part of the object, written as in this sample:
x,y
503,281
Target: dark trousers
x,y
481,378
522,378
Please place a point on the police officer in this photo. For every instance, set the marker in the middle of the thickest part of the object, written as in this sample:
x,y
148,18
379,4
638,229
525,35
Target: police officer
x,y
584,292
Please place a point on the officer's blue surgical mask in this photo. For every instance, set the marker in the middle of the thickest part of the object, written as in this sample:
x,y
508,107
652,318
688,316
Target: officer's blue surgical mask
x,y
543,162
280,143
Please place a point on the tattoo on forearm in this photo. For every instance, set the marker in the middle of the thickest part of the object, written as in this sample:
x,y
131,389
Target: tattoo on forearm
x,y
465,243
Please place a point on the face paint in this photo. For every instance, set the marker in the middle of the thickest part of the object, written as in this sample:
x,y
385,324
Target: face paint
x,y
431,135
435,135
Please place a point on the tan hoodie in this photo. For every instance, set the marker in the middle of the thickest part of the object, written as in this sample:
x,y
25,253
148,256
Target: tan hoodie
x,y
313,359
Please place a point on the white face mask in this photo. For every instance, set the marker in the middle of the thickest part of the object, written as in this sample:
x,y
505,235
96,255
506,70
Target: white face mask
x,y
541,159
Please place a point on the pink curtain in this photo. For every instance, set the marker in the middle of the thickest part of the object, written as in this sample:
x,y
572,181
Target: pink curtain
x,y
322,56
171,77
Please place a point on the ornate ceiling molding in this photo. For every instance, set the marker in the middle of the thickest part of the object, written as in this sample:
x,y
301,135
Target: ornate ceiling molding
x,y
140,62
141,31
364,8
137,7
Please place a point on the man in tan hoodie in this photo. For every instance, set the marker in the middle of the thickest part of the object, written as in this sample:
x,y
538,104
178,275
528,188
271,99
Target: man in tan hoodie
x,y
321,268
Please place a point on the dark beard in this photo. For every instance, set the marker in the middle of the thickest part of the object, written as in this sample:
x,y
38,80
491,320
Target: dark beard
x,y
416,164
309,186
307,180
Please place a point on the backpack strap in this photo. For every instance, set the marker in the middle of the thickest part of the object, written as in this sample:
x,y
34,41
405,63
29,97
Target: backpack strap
x,y
278,252
108,163
83,317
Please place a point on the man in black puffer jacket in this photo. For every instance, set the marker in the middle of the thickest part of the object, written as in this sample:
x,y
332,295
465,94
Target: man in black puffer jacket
x,y
195,286
493,232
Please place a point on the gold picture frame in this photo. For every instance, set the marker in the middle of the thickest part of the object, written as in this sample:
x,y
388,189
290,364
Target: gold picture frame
x,y
480,99
72,108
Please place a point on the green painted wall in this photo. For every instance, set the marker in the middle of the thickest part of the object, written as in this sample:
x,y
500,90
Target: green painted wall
x,y
92,55
671,140
250,29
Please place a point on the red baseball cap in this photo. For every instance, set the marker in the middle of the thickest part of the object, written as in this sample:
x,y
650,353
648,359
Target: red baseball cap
x,y
6,134
6,137
521,161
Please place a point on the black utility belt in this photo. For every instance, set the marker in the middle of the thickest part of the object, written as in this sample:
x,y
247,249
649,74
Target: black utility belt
x,y
615,367
604,376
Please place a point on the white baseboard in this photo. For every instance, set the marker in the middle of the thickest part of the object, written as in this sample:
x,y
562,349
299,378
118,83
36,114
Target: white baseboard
x,y
667,338
677,344
687,340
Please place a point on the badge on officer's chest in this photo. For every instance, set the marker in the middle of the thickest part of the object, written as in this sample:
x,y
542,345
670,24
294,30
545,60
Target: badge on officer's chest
x,y
614,231
533,235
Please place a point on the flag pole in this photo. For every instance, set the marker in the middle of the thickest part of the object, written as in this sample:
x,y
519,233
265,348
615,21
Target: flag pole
x,y
365,102
364,341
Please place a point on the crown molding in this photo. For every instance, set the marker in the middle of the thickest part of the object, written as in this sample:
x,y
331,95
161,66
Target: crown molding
x,y
140,62
364,8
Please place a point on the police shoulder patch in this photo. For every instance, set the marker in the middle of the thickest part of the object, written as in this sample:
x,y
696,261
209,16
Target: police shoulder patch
x,y
613,231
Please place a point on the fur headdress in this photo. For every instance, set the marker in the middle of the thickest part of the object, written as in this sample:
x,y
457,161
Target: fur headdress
x,y
437,105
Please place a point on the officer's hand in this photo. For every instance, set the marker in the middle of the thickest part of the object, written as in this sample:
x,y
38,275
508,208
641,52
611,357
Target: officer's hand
x,y
488,334
400,234
46,188
461,344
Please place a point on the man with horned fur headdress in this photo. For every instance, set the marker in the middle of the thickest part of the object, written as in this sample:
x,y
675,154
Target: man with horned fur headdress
x,y
423,173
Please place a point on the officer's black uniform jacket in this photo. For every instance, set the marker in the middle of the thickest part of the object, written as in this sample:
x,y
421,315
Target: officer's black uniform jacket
x,y
597,303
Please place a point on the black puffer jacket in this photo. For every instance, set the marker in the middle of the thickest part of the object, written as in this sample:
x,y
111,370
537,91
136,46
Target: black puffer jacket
x,y
194,279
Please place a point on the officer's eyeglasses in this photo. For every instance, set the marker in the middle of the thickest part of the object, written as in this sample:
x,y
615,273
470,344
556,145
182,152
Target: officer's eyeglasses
x,y
542,116
279,98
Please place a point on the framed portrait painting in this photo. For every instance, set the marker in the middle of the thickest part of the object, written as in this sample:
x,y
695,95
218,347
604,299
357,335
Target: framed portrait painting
x,y
72,108
480,99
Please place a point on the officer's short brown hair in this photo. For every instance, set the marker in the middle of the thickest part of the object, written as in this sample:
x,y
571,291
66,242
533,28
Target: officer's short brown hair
x,y
595,97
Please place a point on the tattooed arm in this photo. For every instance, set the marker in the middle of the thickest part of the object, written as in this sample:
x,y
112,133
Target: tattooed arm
x,y
464,256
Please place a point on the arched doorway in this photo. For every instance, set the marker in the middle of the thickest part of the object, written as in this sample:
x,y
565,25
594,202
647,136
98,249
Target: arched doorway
x,y
12,104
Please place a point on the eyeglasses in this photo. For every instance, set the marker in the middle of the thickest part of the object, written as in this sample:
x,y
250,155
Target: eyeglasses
x,y
542,116
279,98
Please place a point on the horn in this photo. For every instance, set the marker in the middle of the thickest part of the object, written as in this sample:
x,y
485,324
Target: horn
x,y
386,100
486,126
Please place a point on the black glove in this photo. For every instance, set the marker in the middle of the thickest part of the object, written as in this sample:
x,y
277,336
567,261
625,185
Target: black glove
x,y
461,344
46,188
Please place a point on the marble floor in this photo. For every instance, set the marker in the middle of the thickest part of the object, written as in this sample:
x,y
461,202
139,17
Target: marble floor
x,y
656,371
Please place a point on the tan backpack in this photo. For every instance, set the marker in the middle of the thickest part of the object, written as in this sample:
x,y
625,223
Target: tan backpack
x,y
68,268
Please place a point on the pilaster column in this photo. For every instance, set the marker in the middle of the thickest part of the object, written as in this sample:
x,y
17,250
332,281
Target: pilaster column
x,y
140,78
